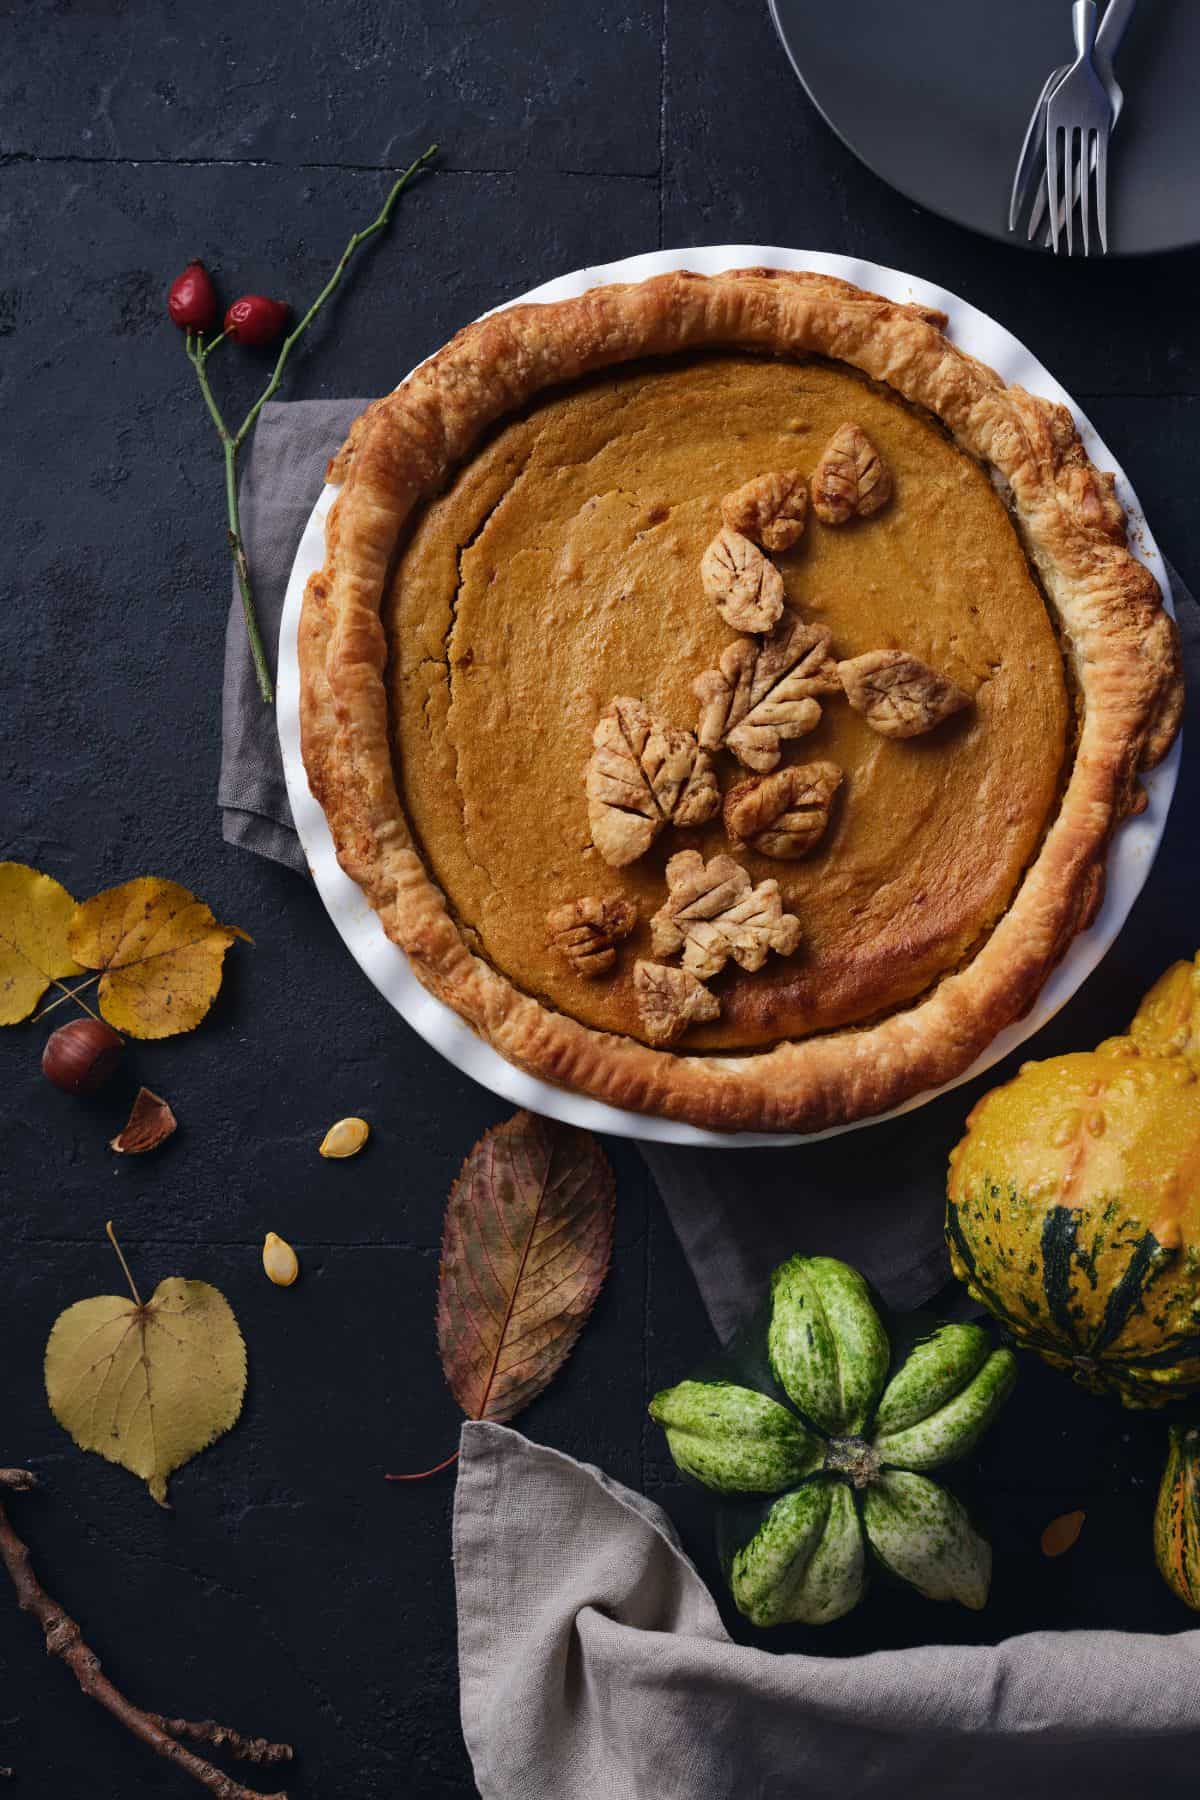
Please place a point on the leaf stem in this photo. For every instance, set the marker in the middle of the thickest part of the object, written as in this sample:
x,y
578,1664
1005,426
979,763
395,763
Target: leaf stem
x,y
423,1473
198,353
112,1238
69,994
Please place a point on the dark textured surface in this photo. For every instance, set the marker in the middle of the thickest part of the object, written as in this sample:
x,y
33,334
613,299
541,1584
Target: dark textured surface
x,y
291,1591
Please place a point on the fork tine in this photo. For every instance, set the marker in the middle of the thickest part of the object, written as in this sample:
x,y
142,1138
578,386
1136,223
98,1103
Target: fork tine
x,y
1102,188
1052,185
1085,187
1070,164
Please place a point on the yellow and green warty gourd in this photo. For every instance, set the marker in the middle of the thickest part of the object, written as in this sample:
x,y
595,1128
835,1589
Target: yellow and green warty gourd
x,y
1177,1516
844,1448
1074,1203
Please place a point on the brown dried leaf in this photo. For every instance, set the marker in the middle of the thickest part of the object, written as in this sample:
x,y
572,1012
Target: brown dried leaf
x,y
1062,1534
785,814
160,950
586,932
762,694
643,774
150,1124
851,481
770,510
746,588
898,694
669,1000
525,1249
714,912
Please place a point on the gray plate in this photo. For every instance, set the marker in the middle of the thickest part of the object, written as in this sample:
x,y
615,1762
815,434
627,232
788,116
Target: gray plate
x,y
934,96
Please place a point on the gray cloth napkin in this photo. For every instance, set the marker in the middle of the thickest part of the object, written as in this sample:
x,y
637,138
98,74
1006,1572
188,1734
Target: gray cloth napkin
x,y
594,1666
282,475
873,1197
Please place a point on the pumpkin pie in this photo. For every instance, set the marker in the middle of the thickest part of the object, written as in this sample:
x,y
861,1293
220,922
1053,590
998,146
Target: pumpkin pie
x,y
752,572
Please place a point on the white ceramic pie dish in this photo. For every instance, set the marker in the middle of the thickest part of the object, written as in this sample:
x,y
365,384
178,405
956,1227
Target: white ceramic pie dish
x,y
1130,858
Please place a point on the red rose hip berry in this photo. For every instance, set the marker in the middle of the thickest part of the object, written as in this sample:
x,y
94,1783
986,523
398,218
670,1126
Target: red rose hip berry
x,y
256,320
192,300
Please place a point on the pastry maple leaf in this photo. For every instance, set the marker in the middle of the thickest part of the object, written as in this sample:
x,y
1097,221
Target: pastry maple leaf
x,y
764,692
714,912
643,774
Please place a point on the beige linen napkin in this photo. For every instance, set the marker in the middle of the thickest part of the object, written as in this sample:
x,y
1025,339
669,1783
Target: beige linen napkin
x,y
594,1666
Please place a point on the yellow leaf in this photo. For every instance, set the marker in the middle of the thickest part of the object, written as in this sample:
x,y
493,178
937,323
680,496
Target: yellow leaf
x,y
34,913
160,950
148,1386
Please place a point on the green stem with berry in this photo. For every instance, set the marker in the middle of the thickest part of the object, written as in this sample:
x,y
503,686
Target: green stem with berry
x,y
198,353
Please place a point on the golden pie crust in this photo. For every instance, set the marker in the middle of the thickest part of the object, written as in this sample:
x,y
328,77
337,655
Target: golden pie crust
x,y
416,657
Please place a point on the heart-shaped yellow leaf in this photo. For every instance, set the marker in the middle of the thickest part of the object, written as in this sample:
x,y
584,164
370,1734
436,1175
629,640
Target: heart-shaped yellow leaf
x,y
160,951
35,911
147,1386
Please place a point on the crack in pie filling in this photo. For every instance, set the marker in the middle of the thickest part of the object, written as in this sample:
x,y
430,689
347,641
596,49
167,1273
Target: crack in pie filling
x,y
519,544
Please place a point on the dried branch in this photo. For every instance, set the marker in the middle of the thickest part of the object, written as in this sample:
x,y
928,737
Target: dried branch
x,y
65,1640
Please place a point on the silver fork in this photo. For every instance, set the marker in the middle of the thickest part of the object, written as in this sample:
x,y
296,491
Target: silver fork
x,y
1080,114
1029,180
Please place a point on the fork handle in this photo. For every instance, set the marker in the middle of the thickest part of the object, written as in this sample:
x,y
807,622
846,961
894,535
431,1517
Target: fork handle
x,y
1116,18
1083,22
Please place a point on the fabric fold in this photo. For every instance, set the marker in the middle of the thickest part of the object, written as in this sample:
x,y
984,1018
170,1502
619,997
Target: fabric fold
x,y
594,1665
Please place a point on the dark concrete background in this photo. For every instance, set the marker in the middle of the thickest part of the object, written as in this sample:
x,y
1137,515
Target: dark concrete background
x,y
291,1591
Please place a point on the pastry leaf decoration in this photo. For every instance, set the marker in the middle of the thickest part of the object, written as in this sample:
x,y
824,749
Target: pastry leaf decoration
x,y
35,912
784,815
644,774
714,912
586,932
898,694
762,694
851,481
147,1384
771,509
526,1246
670,999
159,952
746,588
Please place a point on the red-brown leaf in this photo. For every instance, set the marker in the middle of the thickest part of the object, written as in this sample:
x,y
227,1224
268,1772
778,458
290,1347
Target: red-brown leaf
x,y
526,1246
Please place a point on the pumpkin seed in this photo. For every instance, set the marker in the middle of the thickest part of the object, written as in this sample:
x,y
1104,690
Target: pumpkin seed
x,y
1062,1534
346,1138
279,1260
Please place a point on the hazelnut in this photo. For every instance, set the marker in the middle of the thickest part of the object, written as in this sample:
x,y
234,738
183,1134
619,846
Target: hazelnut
x,y
80,1057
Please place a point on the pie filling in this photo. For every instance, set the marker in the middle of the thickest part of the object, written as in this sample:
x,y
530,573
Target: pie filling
x,y
561,568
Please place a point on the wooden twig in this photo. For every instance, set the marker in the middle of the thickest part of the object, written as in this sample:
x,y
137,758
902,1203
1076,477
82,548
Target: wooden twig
x,y
65,1640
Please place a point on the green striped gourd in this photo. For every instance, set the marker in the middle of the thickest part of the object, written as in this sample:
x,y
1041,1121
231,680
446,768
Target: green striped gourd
x,y
1177,1516
1074,1203
833,1453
